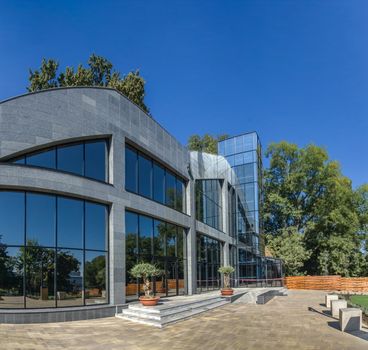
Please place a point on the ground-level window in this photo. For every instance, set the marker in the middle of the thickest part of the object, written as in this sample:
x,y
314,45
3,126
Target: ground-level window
x,y
53,251
160,243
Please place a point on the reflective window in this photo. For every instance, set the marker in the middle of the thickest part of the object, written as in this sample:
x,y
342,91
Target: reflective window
x,y
87,158
131,170
158,183
69,277
12,218
96,160
43,159
40,220
95,226
171,240
145,176
170,191
70,223
145,235
159,240
71,159
40,274
11,277
96,278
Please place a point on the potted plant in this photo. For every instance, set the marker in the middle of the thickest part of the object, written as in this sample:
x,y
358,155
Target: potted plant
x,y
146,271
226,271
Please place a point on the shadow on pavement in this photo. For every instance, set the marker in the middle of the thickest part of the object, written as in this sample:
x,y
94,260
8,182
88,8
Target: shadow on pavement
x,y
362,334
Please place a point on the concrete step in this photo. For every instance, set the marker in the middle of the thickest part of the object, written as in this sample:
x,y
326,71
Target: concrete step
x,y
158,320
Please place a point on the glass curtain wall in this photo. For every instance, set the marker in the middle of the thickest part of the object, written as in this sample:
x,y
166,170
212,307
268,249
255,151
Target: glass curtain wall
x,y
53,251
208,202
208,263
87,158
146,177
160,243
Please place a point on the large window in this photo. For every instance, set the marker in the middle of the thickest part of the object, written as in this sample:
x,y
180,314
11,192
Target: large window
x,y
53,251
87,158
151,240
208,263
208,202
146,177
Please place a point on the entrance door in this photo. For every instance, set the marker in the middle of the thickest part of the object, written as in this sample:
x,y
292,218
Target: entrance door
x,y
167,283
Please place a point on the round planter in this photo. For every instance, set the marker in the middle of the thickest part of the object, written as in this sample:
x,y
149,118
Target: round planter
x,y
227,291
149,301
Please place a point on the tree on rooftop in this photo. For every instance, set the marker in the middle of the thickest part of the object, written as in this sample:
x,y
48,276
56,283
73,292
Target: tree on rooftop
x,y
207,143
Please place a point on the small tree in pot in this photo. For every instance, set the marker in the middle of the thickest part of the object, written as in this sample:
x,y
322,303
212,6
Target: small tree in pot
x,y
226,271
146,271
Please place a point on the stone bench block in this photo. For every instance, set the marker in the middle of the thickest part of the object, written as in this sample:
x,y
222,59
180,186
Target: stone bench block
x,y
350,319
329,297
336,305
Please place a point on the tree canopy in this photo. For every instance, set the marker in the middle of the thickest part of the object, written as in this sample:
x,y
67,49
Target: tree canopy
x,y
313,219
207,143
98,73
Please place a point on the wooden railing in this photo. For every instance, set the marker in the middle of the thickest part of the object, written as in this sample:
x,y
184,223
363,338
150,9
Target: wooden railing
x,y
337,283
131,288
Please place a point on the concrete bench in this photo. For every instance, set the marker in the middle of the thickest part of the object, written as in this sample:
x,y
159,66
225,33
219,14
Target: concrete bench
x,y
350,319
329,298
336,305
267,296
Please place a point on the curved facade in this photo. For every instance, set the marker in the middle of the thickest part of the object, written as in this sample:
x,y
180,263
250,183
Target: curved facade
x,y
90,184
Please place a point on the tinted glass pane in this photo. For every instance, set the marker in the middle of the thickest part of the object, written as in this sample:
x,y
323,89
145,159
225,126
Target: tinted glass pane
x,y
40,273
181,243
70,223
131,170
70,158
179,195
170,189
131,234
11,277
159,238
95,226
43,159
96,160
69,278
12,218
19,161
40,219
171,240
158,183
145,235
145,176
96,278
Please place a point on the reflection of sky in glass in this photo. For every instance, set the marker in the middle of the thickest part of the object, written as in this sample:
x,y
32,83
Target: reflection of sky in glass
x,y
40,221
44,159
12,218
95,157
70,223
70,158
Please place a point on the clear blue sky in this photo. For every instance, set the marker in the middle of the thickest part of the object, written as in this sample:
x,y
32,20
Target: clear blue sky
x,y
291,70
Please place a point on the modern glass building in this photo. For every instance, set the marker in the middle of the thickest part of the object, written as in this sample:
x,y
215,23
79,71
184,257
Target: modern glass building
x,y
90,185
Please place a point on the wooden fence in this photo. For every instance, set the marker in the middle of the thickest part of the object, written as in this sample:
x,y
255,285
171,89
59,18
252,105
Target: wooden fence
x,y
333,283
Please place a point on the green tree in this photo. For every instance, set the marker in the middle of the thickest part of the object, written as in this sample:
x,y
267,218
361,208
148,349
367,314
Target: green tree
x,y
207,143
306,193
99,73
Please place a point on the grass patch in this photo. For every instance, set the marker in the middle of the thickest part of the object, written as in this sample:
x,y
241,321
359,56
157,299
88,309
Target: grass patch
x,y
361,300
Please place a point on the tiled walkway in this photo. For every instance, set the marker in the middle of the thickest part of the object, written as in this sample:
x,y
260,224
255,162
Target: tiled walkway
x,y
283,323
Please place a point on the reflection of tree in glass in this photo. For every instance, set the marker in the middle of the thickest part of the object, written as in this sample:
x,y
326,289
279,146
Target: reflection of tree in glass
x,y
96,273
66,264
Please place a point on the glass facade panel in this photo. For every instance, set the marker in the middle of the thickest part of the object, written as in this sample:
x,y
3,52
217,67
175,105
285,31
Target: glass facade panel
x,y
96,160
44,262
96,278
145,235
12,218
11,277
131,257
69,277
131,170
170,192
40,220
180,196
171,240
70,214
158,183
145,176
71,159
46,159
159,242
40,275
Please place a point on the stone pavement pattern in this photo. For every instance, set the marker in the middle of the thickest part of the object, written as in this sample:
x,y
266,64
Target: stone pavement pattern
x,y
283,323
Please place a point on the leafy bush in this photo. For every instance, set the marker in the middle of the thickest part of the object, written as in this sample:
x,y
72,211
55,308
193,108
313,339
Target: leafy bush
x,y
145,271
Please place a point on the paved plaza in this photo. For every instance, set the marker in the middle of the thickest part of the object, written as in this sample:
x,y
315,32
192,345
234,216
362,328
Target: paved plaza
x,y
298,321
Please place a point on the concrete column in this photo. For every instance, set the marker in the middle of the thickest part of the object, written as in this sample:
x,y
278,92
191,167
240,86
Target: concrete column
x,y
226,254
191,242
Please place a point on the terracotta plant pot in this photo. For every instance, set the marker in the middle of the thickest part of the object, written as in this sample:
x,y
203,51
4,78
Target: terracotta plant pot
x,y
227,291
149,301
